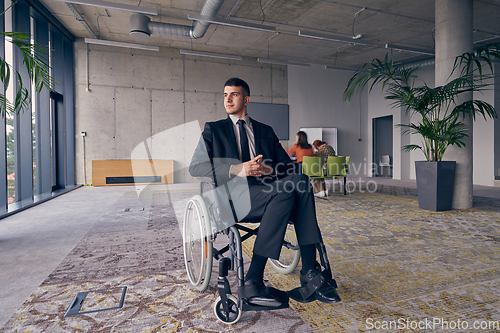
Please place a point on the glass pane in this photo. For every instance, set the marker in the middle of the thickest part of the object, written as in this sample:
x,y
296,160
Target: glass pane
x,y
9,118
52,144
33,118
11,171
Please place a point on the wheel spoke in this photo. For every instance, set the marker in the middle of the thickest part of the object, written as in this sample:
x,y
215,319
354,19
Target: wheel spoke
x,y
232,315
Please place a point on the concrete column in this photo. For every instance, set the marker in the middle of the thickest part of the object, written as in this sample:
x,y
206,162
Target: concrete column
x,y
454,37
496,136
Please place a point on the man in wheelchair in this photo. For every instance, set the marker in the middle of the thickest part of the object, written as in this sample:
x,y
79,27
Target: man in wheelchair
x,y
277,195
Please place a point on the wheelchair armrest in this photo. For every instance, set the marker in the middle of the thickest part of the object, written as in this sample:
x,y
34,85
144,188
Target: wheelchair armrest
x,y
205,179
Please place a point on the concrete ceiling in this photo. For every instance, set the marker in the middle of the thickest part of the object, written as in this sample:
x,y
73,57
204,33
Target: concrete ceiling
x,y
406,23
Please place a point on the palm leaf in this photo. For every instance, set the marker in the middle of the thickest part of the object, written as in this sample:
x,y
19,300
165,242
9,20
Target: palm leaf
x,y
35,60
468,60
409,148
377,72
439,108
475,107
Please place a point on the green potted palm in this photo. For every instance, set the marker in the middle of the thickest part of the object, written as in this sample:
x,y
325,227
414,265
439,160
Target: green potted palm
x,y
436,114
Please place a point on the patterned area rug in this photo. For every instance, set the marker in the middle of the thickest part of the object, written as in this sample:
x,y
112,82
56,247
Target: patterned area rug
x,y
138,245
406,267
397,266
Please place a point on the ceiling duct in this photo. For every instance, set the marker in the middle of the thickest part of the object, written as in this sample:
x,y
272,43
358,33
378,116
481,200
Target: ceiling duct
x,y
420,63
142,28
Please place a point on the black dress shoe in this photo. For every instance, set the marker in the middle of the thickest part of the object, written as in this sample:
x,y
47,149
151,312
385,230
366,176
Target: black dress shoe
x,y
255,292
326,293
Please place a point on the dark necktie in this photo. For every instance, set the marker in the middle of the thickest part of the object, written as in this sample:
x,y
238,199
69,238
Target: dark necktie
x,y
245,150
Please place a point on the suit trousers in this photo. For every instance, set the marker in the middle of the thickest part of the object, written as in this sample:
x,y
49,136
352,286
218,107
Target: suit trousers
x,y
276,203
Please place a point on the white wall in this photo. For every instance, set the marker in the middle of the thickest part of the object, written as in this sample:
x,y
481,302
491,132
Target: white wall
x,y
136,96
496,122
404,163
315,99
484,145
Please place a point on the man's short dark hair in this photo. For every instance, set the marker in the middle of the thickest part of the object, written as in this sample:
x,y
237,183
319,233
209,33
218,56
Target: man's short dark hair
x,y
237,82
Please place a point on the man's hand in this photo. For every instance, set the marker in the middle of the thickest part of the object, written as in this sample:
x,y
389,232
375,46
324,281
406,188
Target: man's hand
x,y
266,169
253,168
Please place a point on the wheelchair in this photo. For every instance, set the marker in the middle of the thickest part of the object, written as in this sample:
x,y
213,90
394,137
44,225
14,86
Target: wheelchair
x,y
204,220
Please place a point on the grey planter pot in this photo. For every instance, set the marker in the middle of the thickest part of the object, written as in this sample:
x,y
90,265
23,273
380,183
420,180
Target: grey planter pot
x,y
435,182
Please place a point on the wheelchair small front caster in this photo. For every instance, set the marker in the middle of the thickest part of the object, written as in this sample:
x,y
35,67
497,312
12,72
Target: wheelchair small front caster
x,y
232,315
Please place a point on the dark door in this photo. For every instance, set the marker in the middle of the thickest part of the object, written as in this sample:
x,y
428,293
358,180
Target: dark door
x,y
57,139
382,145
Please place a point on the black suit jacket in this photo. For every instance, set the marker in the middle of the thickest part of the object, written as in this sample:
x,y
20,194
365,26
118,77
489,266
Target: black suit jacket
x,y
217,151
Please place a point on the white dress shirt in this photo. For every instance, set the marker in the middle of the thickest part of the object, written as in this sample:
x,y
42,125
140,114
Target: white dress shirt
x,y
248,129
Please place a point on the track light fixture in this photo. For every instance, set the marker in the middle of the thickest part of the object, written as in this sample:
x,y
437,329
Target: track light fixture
x,y
333,38
341,68
115,5
408,49
282,62
211,55
120,44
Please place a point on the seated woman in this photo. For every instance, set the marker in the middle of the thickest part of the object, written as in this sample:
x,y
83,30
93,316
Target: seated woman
x,y
322,149
300,149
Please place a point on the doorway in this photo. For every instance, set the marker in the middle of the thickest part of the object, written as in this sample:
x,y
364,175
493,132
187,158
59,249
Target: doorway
x,y
382,146
57,139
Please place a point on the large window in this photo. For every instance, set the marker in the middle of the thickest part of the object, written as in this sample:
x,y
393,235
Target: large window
x,y
27,140
33,115
9,118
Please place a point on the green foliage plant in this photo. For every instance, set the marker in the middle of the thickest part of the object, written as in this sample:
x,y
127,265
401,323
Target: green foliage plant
x,y
441,109
35,60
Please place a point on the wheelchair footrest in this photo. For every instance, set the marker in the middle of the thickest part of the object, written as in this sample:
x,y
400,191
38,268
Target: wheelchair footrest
x,y
327,274
297,296
272,299
306,293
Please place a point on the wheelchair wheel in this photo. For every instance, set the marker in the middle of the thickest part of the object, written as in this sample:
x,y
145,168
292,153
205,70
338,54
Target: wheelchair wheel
x,y
197,243
290,253
234,311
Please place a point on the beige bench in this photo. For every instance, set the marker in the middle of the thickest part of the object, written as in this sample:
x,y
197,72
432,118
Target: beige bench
x,y
130,172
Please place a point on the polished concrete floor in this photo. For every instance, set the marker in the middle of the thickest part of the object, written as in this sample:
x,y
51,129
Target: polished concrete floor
x,y
35,241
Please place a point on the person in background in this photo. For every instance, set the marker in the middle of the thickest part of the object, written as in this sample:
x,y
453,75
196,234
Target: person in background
x,y
300,149
325,150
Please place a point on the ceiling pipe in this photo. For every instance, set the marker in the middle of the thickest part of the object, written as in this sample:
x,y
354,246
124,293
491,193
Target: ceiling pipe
x,y
420,63
431,62
142,28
